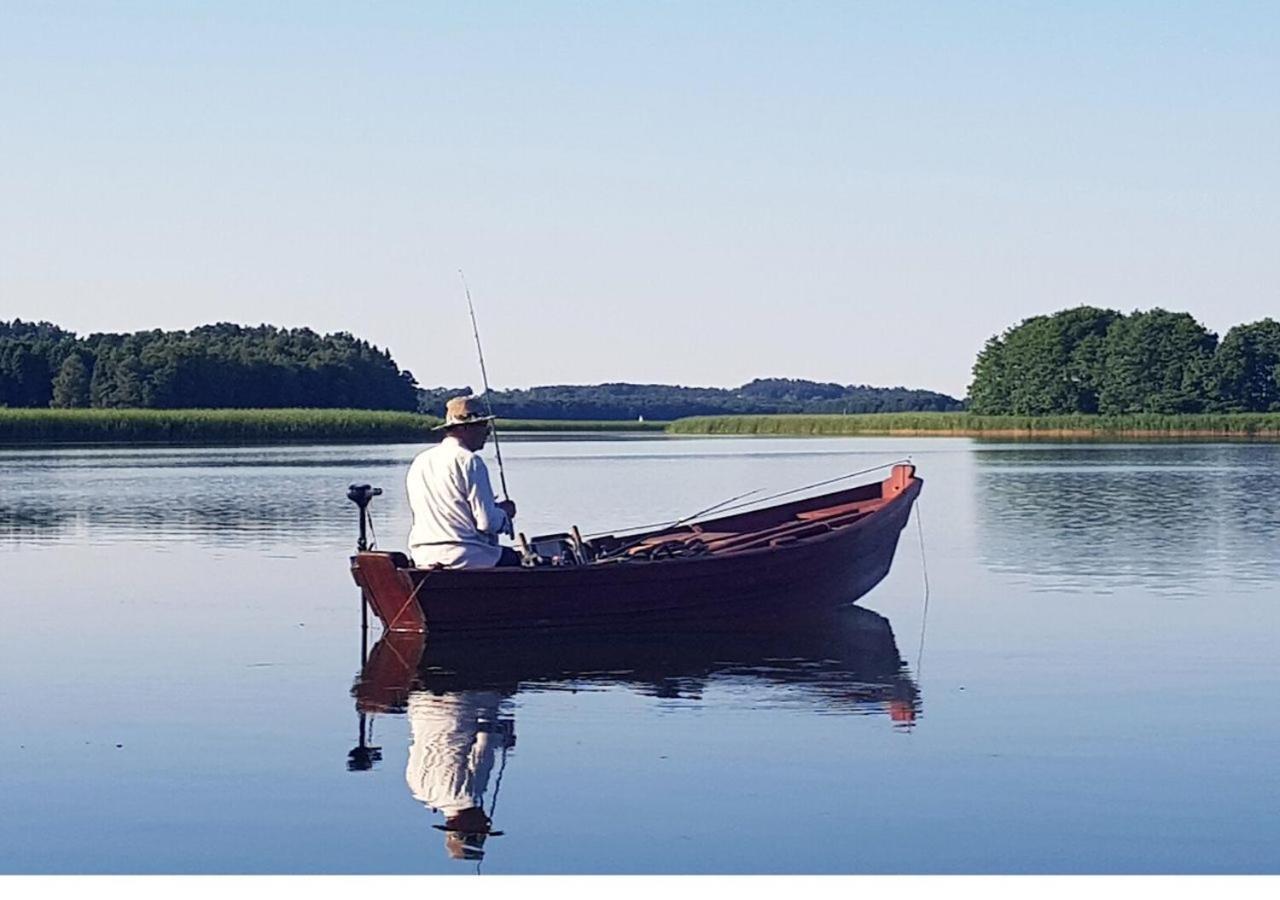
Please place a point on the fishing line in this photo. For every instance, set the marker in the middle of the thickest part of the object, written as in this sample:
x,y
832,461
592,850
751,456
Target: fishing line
x,y
924,616
497,787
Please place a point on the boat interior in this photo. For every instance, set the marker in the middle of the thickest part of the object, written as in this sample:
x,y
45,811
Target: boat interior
x,y
773,526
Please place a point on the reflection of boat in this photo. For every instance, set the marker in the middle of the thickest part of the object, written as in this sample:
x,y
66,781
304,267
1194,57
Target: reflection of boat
x,y
456,692
772,564
845,661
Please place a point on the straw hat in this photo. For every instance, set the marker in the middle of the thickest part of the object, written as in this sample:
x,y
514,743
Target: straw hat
x,y
466,832
463,411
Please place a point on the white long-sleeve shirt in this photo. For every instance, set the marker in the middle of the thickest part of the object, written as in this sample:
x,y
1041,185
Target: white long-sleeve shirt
x,y
454,739
456,521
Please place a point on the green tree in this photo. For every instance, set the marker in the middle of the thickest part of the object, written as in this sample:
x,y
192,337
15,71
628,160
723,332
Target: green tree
x,y
1085,331
71,384
118,378
30,352
1157,362
222,365
1045,365
1247,368
989,391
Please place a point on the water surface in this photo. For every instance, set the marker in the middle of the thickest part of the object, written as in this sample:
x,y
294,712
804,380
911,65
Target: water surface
x,y
1092,689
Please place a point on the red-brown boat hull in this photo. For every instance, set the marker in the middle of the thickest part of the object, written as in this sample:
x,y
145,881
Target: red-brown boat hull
x,y
778,581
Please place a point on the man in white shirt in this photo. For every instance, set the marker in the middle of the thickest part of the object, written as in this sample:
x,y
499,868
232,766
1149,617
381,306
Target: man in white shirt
x,y
456,520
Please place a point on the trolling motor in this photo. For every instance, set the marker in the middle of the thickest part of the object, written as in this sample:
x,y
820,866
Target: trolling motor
x,y
361,495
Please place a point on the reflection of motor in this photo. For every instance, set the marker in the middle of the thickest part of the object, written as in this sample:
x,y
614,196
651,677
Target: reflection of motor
x,y
361,759
362,756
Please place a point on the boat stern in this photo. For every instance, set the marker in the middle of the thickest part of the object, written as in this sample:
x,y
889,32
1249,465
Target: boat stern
x,y
384,580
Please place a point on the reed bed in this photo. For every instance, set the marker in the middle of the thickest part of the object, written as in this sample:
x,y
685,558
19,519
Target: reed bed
x,y
183,426
200,426
578,426
1252,425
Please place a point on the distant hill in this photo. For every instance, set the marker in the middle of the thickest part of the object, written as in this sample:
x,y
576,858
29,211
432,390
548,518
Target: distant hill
x,y
619,401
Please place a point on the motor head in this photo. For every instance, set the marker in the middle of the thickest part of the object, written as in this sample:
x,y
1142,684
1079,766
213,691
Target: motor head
x,y
361,494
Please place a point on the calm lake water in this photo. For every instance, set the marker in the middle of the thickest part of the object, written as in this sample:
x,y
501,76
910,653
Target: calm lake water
x,y
1093,689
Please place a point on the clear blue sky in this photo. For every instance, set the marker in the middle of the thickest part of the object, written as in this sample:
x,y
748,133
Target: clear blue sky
x,y
695,193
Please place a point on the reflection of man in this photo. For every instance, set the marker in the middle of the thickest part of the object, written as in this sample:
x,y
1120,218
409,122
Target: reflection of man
x,y
450,761
456,520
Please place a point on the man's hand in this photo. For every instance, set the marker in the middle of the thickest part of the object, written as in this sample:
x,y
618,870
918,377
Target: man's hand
x,y
507,507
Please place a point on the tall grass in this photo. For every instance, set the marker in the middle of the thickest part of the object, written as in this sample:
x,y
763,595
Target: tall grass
x,y
576,425
1263,425
196,426
182,426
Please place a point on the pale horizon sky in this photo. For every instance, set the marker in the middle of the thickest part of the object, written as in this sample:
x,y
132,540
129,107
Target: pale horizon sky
x,y
682,193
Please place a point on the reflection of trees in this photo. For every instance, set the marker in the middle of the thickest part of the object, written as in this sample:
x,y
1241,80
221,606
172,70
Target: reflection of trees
x,y
1162,515
211,515
34,520
223,496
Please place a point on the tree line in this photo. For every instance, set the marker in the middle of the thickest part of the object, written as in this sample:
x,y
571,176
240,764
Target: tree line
x,y
1091,360
211,367
227,366
622,401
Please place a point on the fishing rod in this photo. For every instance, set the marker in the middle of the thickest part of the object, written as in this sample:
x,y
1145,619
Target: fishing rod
x,y
497,449
683,519
723,506
702,512
905,459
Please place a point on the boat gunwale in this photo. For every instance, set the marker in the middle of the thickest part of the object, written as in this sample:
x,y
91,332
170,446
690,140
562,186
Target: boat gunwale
x,y
618,570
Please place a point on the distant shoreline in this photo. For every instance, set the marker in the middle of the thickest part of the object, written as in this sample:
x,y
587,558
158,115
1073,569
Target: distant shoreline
x,y
40,427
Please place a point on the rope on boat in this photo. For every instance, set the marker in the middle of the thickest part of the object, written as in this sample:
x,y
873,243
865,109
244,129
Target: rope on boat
x,y
720,507
412,597
667,550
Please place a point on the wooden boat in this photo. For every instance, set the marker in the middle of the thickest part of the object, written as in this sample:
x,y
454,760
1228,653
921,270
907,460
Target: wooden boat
x,y
764,566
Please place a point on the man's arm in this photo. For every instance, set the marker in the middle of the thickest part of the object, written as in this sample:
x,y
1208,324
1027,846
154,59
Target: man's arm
x,y
490,518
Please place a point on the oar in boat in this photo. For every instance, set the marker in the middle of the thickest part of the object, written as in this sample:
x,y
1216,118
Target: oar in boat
x,y
676,524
